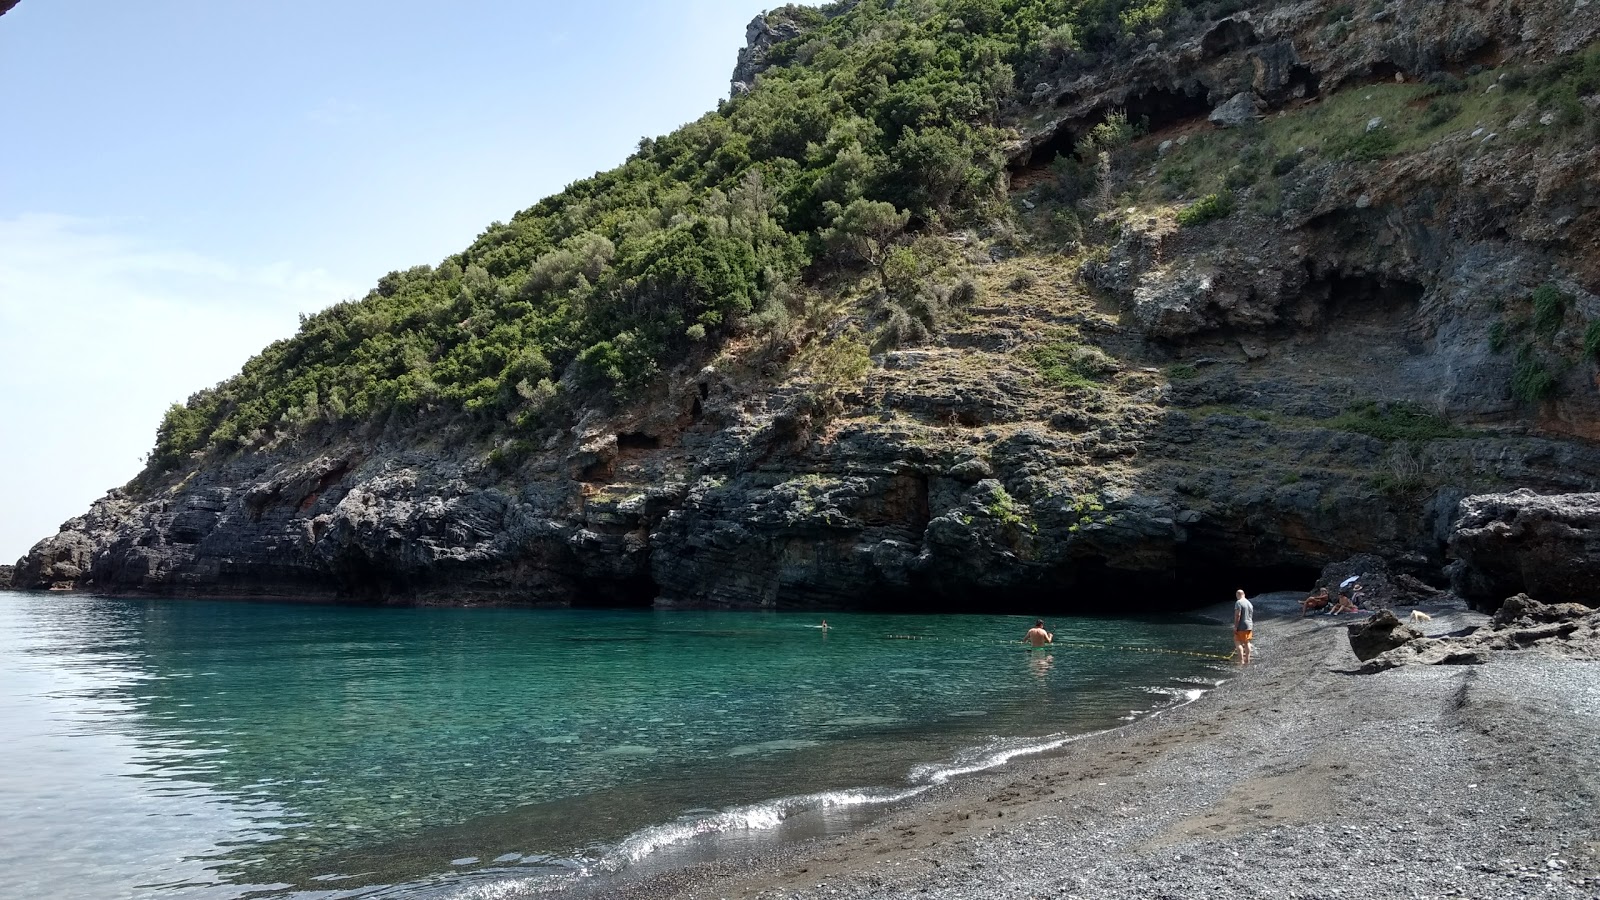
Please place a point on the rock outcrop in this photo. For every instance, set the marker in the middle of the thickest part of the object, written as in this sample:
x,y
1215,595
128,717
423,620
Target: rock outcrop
x,y
7,5
1380,634
1272,392
770,29
5,577
1547,547
1568,631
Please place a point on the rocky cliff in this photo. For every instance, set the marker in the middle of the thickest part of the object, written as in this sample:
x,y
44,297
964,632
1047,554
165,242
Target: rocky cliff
x,y
1341,275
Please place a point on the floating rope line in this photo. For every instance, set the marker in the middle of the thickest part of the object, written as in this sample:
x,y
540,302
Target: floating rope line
x,y
1085,644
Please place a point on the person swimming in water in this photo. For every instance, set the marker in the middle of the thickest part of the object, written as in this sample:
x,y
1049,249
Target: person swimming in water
x,y
824,626
1037,636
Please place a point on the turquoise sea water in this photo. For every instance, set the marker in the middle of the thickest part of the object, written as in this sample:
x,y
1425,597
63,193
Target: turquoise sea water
x,y
187,749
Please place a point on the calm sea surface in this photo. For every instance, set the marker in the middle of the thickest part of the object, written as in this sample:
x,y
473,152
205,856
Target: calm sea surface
x,y
186,749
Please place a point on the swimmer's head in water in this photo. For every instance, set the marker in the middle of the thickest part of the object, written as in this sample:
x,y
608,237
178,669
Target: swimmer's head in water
x,y
1038,623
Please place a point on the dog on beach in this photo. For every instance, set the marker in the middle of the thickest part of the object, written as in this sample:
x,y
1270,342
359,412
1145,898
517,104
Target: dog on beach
x,y
1418,615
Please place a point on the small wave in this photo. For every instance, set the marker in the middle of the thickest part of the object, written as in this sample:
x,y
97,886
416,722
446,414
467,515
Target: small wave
x,y
992,756
1181,696
754,817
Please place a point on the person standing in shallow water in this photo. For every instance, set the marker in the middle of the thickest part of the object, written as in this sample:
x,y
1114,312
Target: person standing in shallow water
x,y
1037,636
1244,625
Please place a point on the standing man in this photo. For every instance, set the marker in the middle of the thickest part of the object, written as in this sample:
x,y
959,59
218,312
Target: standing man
x,y
1244,625
1037,637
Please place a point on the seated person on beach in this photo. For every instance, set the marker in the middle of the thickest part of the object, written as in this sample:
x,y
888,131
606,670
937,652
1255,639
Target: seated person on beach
x,y
1318,600
1037,636
1345,605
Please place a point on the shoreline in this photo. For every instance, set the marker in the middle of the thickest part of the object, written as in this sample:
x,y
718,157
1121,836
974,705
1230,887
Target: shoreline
x,y
1460,781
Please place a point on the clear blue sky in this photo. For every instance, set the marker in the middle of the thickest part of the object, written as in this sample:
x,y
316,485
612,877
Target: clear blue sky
x,y
180,178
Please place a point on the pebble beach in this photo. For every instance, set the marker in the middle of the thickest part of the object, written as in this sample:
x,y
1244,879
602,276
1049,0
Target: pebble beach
x,y
1296,779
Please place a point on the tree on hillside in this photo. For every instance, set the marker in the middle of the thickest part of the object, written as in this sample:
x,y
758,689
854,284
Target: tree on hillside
x,y
866,231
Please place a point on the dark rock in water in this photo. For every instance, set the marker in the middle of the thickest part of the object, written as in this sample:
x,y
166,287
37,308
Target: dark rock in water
x,y
5,577
1545,546
1380,634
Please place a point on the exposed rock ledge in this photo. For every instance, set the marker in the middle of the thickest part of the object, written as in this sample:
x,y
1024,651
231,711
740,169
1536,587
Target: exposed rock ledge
x,y
1546,546
1565,630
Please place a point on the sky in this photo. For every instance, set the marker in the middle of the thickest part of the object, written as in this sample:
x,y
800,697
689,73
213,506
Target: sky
x,y
180,179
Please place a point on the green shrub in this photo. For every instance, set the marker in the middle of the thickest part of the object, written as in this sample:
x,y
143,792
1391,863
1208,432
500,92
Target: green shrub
x,y
1531,380
1591,341
1441,111
1207,209
1112,134
1071,365
1549,309
1394,422
1369,146
1066,227
1499,336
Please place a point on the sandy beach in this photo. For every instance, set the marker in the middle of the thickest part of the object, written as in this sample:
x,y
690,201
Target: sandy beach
x,y
1296,779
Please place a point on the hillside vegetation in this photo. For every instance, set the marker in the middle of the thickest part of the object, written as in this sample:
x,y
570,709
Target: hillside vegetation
x,y
878,123
881,116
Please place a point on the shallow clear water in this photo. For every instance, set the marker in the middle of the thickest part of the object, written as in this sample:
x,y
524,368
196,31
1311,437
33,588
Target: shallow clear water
x,y
178,749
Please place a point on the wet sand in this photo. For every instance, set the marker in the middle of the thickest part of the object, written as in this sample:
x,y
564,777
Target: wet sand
x,y
1297,778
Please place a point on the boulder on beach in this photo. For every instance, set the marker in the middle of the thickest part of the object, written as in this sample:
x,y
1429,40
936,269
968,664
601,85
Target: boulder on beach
x,y
1380,634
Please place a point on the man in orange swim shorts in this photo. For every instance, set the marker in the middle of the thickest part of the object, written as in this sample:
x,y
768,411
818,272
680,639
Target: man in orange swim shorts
x,y
1244,623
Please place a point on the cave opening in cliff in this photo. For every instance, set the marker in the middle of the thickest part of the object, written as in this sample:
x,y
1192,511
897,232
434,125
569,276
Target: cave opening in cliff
x,y
1093,587
636,592
1158,109
1153,111
1362,296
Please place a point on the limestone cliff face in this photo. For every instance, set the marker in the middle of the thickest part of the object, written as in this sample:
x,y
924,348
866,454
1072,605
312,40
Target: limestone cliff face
x,y
1256,415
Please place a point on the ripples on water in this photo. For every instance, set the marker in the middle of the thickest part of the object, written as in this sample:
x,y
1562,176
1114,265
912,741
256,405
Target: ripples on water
x,y
179,749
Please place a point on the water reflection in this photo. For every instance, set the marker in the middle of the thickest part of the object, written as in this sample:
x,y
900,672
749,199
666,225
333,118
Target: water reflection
x,y
1040,662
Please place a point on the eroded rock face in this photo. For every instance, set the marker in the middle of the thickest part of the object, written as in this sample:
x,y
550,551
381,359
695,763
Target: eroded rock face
x,y
5,577
1212,449
1545,546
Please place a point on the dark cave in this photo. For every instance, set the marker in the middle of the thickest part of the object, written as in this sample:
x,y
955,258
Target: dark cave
x,y
637,592
1360,294
1157,109
1092,587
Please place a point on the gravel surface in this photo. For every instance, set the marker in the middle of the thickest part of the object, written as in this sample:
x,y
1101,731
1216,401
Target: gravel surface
x,y
1297,779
